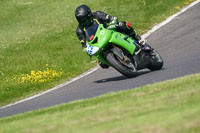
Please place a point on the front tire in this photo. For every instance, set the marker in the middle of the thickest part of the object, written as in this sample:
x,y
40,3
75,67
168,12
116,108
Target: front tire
x,y
115,63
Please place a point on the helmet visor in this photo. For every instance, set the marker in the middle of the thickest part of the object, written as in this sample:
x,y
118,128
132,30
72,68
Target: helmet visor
x,y
86,20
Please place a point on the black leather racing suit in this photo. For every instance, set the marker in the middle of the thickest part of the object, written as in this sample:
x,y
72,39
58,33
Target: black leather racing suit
x,y
100,17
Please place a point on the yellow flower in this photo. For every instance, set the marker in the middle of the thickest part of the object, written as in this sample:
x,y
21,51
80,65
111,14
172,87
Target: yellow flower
x,y
177,7
38,76
186,3
41,80
32,72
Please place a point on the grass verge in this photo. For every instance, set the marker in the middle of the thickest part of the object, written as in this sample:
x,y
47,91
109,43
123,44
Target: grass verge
x,y
169,107
38,45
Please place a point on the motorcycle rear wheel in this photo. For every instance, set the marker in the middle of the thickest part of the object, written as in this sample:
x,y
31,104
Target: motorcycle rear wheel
x,y
115,63
156,61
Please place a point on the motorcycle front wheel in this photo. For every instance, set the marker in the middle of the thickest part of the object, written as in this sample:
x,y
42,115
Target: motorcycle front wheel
x,y
127,71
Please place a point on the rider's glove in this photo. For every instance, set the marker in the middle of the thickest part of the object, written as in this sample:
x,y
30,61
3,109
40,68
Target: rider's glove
x,y
113,24
142,41
111,27
114,21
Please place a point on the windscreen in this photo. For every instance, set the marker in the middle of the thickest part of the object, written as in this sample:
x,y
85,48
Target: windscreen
x,y
91,31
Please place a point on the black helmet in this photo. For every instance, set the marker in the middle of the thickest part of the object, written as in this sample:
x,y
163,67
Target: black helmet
x,y
83,15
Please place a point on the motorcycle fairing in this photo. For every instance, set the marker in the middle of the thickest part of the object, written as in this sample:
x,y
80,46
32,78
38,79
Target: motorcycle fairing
x,y
118,39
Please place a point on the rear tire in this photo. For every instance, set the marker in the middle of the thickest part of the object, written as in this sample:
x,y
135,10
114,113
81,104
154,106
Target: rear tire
x,y
115,63
156,61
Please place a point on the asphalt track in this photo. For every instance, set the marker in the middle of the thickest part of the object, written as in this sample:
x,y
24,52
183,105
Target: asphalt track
x,y
179,44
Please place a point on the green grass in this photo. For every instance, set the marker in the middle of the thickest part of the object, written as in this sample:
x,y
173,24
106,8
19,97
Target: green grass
x,y
168,107
37,32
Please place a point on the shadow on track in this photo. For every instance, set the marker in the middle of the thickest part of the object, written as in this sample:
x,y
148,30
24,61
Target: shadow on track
x,y
120,78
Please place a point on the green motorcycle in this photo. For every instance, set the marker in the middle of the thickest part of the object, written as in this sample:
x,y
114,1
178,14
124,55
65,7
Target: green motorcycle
x,y
120,51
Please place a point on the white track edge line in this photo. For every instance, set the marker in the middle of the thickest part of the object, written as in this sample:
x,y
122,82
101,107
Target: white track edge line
x,y
156,27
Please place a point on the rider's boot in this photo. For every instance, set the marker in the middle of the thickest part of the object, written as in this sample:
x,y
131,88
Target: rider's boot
x,y
142,42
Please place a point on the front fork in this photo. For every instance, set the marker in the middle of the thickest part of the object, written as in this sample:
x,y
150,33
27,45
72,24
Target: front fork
x,y
101,58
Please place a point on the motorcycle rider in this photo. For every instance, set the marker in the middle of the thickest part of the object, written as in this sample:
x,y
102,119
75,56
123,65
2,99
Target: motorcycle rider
x,y
86,18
